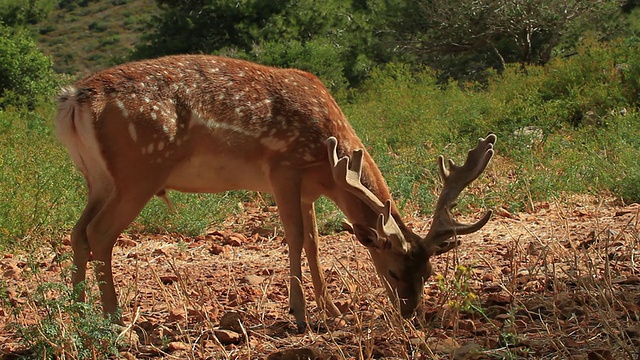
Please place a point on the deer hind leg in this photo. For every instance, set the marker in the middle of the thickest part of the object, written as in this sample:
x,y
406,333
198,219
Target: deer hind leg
x,y
286,185
80,242
117,212
311,243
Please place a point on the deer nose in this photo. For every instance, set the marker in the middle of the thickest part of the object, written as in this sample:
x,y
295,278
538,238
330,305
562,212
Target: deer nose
x,y
408,307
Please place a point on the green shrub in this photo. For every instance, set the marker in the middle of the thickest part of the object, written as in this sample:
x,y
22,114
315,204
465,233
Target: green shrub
x,y
26,74
63,328
39,192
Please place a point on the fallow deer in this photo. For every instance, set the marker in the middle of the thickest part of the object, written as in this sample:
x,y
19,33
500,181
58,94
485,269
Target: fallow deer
x,y
197,123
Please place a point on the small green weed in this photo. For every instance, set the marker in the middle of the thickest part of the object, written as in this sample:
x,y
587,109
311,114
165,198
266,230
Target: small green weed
x,y
461,297
52,324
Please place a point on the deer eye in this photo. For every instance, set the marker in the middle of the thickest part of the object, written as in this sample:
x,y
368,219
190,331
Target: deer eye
x,y
394,276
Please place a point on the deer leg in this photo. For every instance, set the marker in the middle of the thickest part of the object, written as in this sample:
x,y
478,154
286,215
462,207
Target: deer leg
x,y
323,299
80,244
287,189
103,230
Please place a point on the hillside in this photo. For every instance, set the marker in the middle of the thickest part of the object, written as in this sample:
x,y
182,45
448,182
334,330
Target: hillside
x,y
98,35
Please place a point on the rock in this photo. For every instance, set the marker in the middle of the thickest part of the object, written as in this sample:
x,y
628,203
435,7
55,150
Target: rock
x,y
295,354
253,279
216,249
168,279
231,321
435,344
177,346
235,240
126,241
468,351
10,270
176,315
227,337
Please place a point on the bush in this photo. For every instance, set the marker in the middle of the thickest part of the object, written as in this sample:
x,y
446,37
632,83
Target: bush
x,y
63,328
567,127
40,192
26,74
318,56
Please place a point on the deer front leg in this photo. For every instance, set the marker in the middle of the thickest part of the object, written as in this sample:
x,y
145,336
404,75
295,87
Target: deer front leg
x,y
311,242
286,184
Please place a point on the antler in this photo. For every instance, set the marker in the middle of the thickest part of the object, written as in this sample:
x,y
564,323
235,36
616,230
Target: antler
x,y
455,179
348,174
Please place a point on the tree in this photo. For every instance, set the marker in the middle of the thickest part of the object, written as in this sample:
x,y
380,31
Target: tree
x,y
334,39
480,34
24,12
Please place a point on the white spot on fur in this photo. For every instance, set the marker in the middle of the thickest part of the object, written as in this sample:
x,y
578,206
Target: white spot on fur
x,y
122,108
160,146
150,148
132,132
274,144
212,124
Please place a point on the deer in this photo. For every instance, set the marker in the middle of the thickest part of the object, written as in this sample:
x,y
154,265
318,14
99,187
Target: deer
x,y
207,124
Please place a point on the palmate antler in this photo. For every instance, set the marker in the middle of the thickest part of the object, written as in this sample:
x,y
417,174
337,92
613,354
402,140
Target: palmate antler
x,y
455,179
347,173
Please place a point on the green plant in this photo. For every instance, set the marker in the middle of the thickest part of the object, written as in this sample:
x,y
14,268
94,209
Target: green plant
x,y
63,326
26,74
39,194
461,297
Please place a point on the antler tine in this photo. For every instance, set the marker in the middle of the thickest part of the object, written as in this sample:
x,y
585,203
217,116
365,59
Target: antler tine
x,y
347,173
455,179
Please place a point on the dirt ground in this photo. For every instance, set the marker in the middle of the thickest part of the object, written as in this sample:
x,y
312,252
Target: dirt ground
x,y
559,282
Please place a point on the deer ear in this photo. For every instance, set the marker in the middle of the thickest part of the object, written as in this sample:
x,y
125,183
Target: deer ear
x,y
443,247
372,239
367,236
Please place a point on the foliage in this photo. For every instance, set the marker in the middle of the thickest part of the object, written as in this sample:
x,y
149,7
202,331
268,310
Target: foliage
x,y
463,38
566,127
74,4
40,193
64,327
26,74
285,33
24,12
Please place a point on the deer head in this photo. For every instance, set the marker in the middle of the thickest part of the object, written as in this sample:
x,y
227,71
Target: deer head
x,y
400,256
